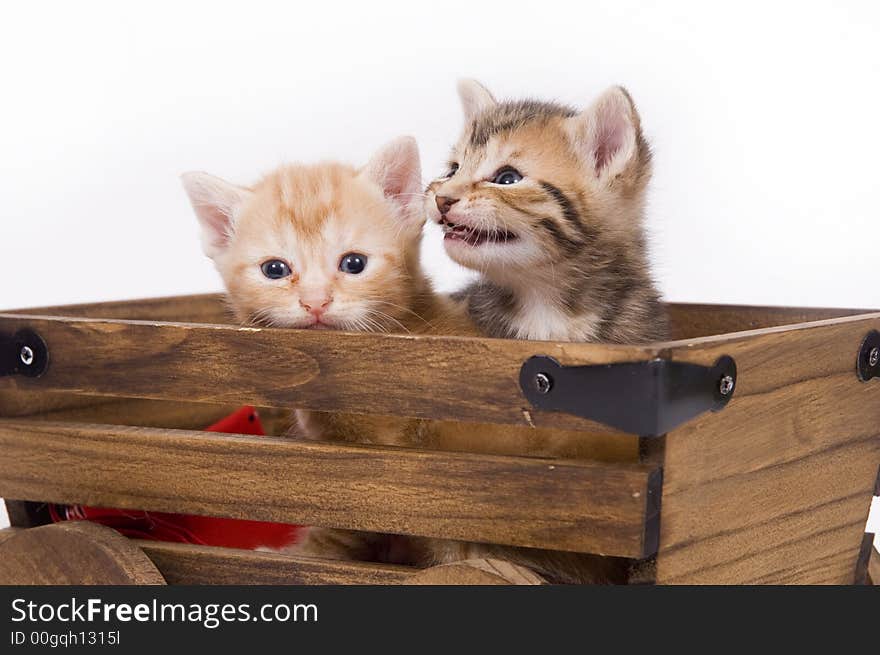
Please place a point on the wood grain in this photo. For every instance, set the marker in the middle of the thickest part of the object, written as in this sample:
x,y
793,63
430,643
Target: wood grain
x,y
75,553
476,572
687,320
15,401
453,378
197,308
539,503
158,413
776,487
186,564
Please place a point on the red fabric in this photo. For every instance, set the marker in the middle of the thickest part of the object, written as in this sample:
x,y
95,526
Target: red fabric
x,y
185,528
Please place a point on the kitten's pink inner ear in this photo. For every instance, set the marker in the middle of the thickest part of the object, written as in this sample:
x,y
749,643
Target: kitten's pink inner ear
x,y
607,132
397,170
217,225
610,138
475,98
215,202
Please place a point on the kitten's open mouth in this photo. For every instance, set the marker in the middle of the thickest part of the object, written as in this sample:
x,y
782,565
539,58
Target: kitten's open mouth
x,y
473,236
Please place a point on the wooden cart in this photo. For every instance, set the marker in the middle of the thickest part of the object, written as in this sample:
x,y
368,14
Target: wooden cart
x,y
757,431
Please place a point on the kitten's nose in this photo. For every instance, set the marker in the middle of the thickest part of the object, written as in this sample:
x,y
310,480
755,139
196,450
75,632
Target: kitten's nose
x,y
315,306
444,203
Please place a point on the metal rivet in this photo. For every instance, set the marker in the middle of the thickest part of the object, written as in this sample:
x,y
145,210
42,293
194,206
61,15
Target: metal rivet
x,y
726,385
26,355
543,383
874,356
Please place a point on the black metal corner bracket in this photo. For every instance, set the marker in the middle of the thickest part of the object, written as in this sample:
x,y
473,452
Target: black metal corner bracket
x,y
24,353
644,398
868,363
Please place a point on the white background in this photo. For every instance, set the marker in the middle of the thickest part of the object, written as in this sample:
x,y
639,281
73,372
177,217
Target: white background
x,y
763,117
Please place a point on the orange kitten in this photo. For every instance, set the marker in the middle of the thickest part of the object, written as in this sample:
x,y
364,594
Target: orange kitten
x,y
328,246
321,246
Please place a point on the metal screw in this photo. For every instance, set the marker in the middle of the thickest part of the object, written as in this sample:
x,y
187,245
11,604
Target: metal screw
x,y
543,383
874,356
726,385
26,355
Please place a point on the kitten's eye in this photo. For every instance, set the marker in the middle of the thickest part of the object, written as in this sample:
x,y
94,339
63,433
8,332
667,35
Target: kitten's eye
x,y
275,269
353,263
453,169
507,175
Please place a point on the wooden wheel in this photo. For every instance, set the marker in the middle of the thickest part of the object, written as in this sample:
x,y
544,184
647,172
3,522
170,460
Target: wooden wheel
x,y
73,553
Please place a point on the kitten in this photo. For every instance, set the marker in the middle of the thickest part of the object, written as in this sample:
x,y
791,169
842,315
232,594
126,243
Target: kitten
x,y
328,247
547,204
324,246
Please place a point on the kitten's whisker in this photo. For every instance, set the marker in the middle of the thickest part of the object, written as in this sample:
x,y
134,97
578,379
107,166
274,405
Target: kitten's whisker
x,y
388,317
400,307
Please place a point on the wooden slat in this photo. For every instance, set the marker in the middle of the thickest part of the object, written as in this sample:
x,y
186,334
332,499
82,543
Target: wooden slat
x,y
687,320
539,503
54,406
477,572
454,378
776,487
161,414
185,564
15,401
198,308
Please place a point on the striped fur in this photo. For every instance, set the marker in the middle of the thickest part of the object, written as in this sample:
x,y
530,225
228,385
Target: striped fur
x,y
578,267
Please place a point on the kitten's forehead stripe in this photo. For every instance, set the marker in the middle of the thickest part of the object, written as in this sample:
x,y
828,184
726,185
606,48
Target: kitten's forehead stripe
x,y
309,195
510,116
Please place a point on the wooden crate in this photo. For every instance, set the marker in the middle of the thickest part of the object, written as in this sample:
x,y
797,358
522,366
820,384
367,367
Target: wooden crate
x,y
774,487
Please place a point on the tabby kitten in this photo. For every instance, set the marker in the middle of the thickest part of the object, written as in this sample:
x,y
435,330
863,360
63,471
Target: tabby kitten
x,y
547,203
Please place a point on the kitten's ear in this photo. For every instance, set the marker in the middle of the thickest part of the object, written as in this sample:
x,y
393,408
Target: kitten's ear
x,y
608,133
396,168
216,203
475,98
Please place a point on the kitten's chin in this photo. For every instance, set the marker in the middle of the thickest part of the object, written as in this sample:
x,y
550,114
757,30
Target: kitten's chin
x,y
498,261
